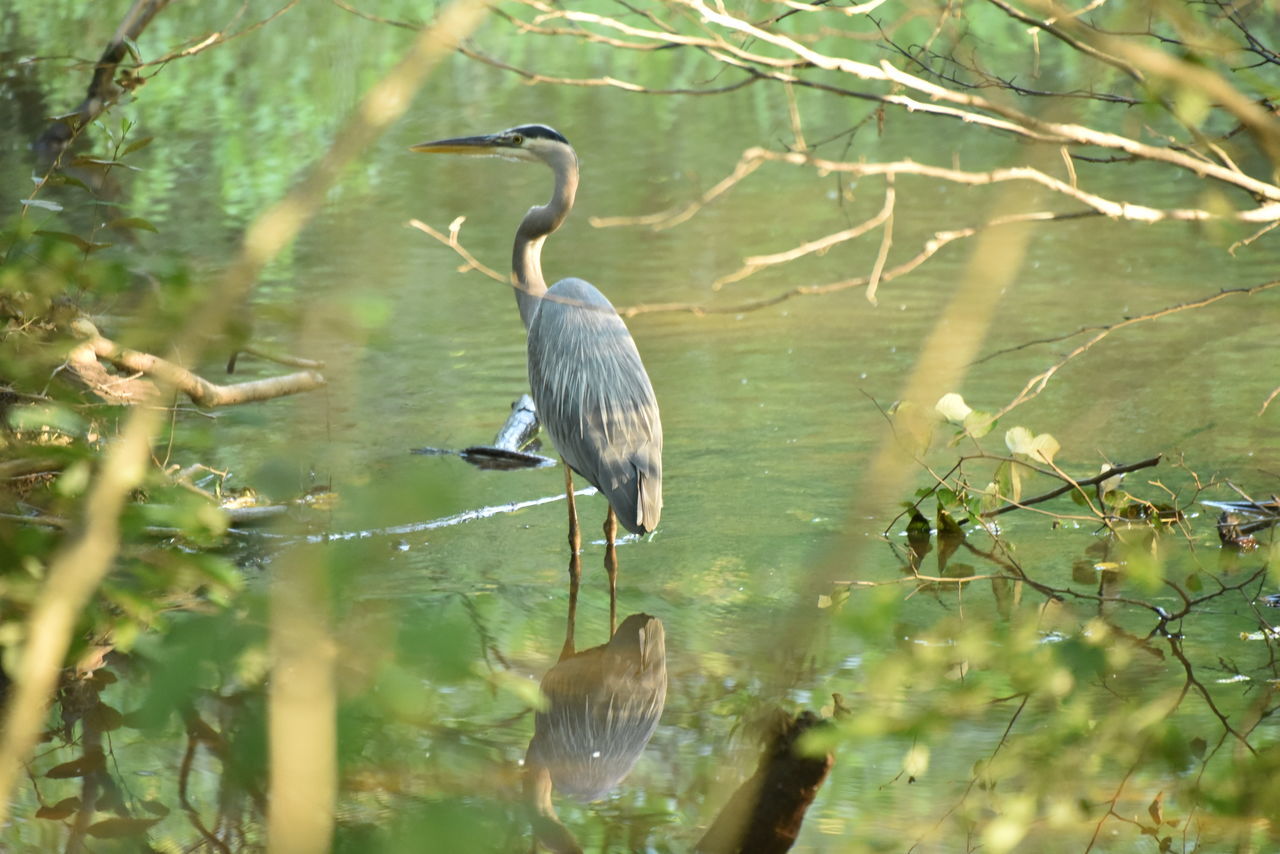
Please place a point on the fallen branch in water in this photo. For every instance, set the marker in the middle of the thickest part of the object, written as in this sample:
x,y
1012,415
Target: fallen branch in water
x,y
84,363
1074,484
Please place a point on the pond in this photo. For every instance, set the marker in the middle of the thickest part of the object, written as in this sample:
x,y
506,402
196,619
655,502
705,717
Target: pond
x,y
777,583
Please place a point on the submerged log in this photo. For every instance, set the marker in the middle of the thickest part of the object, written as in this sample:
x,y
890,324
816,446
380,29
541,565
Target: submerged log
x,y
764,815
512,448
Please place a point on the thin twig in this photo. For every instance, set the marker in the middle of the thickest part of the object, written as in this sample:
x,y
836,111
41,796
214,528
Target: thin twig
x,y
1037,384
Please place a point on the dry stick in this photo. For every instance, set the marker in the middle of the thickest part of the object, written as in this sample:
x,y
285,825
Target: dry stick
x,y
1037,384
672,217
971,108
1245,241
452,242
1270,398
886,241
201,391
1194,76
974,108
755,263
218,37
1073,484
1070,41
1108,207
753,158
860,9
284,359
534,77
78,568
931,247
377,20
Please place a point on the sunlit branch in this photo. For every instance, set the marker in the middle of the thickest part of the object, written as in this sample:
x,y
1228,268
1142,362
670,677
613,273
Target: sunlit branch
x,y
663,36
859,9
200,390
1246,241
674,216
405,25
1270,398
534,77
1257,118
755,263
451,240
939,240
886,241
1107,207
754,157
580,33
969,107
218,37
1052,29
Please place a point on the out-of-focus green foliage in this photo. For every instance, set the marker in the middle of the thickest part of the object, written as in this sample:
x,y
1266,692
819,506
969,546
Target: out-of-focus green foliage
x,y
1108,672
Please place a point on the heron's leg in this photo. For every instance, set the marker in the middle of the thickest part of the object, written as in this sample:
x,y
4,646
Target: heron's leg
x,y
575,576
611,566
575,538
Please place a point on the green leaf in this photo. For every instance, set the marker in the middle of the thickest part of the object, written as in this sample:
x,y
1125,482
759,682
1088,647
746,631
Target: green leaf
x,y
116,828
52,417
136,145
104,718
978,424
952,407
88,160
131,222
40,203
63,178
1044,447
62,809
74,239
1018,440
77,767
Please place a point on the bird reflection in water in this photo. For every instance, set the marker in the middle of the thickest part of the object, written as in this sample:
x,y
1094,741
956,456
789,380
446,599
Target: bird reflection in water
x,y
603,707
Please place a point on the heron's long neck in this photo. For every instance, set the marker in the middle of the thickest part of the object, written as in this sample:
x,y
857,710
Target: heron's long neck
x,y
526,255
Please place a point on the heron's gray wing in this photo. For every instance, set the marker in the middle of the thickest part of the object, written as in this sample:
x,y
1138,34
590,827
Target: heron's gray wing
x,y
595,400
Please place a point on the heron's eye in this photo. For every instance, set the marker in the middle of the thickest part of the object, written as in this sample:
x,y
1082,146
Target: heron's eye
x,y
517,139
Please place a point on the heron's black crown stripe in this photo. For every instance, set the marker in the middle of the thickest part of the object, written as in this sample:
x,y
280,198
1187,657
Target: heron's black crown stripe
x,y
539,132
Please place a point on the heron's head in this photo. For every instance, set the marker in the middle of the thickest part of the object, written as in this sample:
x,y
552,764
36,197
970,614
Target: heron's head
x,y
531,143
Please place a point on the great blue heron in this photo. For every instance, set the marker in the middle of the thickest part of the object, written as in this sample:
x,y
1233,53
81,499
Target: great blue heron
x,y
591,389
